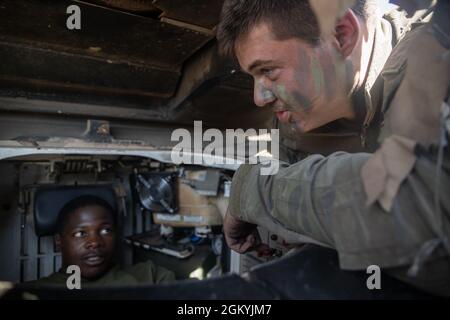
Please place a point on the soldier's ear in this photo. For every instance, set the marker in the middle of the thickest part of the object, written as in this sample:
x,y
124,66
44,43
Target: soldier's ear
x,y
348,29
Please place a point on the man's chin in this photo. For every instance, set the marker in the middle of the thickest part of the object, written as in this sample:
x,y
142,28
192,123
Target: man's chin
x,y
298,126
290,118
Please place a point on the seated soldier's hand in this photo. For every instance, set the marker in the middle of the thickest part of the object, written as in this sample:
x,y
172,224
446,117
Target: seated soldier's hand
x,y
242,236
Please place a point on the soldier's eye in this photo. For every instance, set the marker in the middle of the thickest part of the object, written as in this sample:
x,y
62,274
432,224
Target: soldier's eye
x,y
106,231
270,73
79,234
267,72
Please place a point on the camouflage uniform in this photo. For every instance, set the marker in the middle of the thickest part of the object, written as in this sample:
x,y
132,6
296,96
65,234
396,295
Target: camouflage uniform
x,y
391,208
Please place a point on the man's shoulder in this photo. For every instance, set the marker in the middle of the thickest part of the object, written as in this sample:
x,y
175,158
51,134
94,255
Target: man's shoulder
x,y
398,55
149,272
399,22
402,24
395,67
141,268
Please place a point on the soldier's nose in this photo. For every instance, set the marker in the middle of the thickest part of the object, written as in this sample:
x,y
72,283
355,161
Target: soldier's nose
x,y
262,95
95,242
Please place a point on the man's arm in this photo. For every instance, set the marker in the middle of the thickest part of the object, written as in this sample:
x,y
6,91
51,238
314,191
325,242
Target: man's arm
x,y
300,197
323,200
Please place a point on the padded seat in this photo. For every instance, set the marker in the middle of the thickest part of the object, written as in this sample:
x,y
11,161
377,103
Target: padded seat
x,y
48,202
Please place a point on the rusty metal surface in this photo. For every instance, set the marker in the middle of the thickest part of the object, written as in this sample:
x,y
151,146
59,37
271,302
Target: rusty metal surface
x,y
105,34
114,53
128,5
120,65
58,70
203,13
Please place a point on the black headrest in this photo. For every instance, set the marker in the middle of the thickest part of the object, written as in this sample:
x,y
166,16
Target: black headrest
x,y
48,201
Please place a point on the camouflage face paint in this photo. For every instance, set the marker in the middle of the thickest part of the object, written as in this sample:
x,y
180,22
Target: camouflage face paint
x,y
343,71
317,74
281,89
303,79
265,94
295,99
302,100
328,65
294,126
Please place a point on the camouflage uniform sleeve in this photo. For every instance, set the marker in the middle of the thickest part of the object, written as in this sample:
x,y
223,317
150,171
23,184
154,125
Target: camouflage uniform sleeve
x,y
323,198
300,197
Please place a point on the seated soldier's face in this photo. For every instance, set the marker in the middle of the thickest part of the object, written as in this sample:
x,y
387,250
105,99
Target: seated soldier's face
x,y
88,241
306,86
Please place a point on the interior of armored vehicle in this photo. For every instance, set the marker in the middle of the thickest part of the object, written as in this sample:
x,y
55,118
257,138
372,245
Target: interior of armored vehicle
x,y
37,187
92,111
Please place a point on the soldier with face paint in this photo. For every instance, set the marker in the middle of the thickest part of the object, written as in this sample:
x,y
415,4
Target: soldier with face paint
x,y
390,208
326,94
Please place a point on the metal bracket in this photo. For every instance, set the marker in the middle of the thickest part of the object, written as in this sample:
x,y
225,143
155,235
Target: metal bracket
x,y
98,131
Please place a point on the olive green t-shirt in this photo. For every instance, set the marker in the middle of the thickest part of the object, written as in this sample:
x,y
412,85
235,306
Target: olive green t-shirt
x,y
141,273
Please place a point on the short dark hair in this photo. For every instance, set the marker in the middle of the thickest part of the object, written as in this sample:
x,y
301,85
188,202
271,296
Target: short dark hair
x,y
78,203
287,18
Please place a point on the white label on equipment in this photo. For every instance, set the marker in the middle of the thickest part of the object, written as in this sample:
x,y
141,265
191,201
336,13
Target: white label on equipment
x,y
193,219
168,217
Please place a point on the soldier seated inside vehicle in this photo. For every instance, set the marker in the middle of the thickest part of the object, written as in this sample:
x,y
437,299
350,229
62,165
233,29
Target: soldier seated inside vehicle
x,y
86,236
